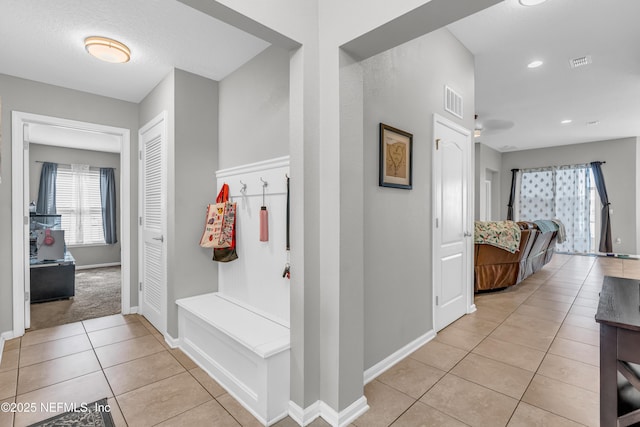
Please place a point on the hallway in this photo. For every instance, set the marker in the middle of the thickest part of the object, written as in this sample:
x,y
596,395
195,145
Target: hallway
x,y
529,355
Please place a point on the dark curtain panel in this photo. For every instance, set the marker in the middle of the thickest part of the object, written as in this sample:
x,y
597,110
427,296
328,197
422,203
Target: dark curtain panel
x,y
47,191
108,197
606,245
512,195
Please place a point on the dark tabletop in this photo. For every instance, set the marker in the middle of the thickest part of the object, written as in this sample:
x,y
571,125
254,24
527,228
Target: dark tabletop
x,y
620,303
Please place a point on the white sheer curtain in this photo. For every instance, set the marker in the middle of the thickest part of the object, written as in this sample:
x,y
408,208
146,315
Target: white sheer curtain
x,y
537,194
562,193
573,206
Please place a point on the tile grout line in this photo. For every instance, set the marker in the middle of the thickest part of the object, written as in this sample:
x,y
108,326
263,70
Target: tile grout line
x,y
449,372
471,351
547,351
210,394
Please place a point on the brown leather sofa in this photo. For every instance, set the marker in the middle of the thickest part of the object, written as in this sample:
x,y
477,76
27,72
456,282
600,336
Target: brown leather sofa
x,y
496,268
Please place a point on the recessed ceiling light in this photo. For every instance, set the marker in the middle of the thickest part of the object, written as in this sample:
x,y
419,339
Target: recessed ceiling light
x,y
107,49
535,64
566,122
531,2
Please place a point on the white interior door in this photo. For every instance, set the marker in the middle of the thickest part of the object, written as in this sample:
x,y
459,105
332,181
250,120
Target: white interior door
x,y
153,220
452,222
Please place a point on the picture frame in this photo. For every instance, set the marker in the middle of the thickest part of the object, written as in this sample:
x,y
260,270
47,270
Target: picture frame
x,y
396,158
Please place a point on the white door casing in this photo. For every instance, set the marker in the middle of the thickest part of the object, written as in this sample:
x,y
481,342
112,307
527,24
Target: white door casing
x,y
487,200
114,140
452,222
153,221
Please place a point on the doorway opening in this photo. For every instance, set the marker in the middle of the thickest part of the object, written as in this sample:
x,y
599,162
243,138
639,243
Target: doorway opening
x,y
45,136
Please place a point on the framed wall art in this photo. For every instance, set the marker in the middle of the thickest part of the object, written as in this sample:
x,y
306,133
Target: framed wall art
x,y
396,151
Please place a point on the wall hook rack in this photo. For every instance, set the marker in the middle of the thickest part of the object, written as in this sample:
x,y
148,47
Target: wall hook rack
x,y
244,187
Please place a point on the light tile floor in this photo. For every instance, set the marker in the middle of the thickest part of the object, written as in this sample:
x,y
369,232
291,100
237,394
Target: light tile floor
x,y
528,357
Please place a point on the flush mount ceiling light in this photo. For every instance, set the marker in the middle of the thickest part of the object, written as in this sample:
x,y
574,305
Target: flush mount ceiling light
x,y
531,2
535,64
566,122
107,49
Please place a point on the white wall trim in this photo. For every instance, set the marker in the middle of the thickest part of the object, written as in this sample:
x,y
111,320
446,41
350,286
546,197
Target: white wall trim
x,y
18,209
171,341
344,417
472,309
304,416
21,123
637,196
88,266
319,408
254,167
8,335
387,363
4,336
133,310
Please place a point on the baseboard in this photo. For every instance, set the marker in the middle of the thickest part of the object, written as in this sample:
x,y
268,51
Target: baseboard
x,y
472,309
346,416
385,364
5,336
107,264
306,416
133,310
172,342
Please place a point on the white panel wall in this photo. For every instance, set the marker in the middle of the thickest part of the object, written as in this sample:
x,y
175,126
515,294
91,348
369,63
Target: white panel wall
x,y
255,278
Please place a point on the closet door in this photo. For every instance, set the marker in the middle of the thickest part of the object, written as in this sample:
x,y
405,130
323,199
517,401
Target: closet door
x,y
153,222
452,232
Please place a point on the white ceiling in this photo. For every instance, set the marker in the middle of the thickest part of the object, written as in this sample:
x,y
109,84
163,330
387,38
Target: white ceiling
x,y
521,108
42,40
518,108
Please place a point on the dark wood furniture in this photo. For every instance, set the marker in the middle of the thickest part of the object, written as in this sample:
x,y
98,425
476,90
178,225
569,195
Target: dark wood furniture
x,y
619,318
53,280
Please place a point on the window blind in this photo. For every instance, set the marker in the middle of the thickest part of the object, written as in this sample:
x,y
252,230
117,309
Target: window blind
x,y
78,201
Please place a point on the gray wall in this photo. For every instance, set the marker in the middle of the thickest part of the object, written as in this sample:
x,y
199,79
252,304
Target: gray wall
x,y
254,110
86,255
38,98
191,103
488,165
404,87
619,175
195,162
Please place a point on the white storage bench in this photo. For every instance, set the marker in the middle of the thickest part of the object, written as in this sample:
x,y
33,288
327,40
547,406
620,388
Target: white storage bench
x,y
247,353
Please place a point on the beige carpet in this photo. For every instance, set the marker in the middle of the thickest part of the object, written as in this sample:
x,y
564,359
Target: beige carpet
x,y
97,295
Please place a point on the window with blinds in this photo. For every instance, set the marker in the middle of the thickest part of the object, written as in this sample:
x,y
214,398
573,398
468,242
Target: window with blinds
x,y
78,201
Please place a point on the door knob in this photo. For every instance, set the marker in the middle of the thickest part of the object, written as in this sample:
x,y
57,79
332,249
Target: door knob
x,y
467,234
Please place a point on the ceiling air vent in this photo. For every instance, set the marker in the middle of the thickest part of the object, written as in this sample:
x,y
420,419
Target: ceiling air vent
x,y
580,62
452,102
